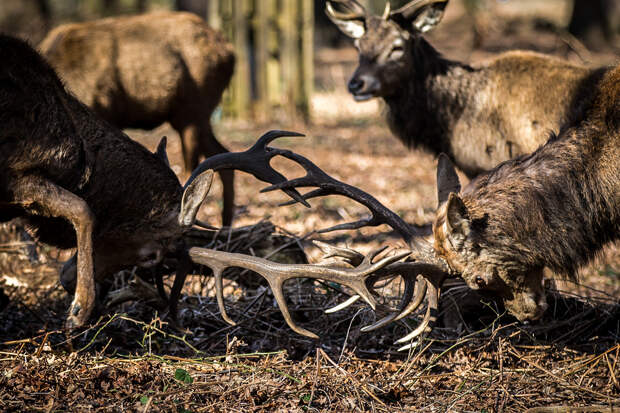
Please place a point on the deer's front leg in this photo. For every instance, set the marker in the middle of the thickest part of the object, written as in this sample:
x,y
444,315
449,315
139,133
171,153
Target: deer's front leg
x,y
44,198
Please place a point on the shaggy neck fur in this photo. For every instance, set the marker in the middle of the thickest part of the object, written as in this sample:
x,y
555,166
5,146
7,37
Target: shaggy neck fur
x,y
424,112
560,205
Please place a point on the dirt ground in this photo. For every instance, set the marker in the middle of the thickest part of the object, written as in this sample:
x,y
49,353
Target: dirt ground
x,y
477,359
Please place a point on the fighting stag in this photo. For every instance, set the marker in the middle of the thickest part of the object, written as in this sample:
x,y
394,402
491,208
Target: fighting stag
x,y
479,115
555,208
77,181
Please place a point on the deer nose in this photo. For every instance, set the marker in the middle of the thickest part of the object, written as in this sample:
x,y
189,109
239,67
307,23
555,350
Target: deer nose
x,y
355,85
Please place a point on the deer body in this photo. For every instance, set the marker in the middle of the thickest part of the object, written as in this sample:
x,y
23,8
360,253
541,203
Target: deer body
x,y
64,167
141,71
556,208
478,115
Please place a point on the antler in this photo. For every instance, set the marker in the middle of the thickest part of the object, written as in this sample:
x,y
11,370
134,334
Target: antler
x,y
430,267
356,10
254,161
330,186
276,274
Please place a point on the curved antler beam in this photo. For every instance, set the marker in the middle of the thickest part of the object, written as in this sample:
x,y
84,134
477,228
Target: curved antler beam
x,y
276,274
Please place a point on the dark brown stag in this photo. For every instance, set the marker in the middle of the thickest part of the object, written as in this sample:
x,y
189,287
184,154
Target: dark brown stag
x,y
555,208
78,181
479,115
142,71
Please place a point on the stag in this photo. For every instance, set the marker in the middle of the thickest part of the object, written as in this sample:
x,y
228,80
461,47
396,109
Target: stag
x,y
78,181
479,115
555,208
142,71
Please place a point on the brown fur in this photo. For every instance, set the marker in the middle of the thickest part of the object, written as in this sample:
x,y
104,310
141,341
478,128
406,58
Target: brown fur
x,y
141,71
479,115
555,208
67,172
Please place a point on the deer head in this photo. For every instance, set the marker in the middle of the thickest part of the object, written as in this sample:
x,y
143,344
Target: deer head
x,y
385,43
464,241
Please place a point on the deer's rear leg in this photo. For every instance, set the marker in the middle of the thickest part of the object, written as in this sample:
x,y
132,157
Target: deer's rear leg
x,y
41,197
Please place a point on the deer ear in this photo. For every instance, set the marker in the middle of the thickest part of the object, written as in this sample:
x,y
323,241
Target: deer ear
x,y
193,196
457,218
354,27
420,15
161,151
447,179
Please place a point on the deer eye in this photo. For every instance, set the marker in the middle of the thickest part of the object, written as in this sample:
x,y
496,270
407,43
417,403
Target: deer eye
x,y
480,282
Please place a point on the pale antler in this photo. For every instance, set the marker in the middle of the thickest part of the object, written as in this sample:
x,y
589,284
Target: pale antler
x,y
356,10
276,274
433,269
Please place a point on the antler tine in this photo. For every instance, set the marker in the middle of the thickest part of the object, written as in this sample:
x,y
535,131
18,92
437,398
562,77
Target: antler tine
x,y
349,255
276,274
429,318
254,161
415,5
357,11
330,186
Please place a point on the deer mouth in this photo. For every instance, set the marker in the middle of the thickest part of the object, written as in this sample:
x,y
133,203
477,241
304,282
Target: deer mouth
x,y
363,97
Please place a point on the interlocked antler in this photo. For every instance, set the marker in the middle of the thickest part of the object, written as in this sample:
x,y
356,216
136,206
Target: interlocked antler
x,y
356,10
430,267
276,274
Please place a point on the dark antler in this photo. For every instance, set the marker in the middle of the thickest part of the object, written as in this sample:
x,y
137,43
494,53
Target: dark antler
x,y
254,161
276,274
330,186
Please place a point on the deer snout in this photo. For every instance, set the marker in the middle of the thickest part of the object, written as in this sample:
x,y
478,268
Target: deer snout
x,y
530,302
363,87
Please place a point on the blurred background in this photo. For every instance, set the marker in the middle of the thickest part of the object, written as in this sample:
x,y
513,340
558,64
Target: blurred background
x,y
291,59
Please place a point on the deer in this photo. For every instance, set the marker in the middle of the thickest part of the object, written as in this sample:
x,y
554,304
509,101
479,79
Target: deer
x,y
479,115
75,180
142,71
555,208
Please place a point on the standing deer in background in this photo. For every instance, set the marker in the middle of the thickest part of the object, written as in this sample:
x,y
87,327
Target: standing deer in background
x,y
142,71
478,115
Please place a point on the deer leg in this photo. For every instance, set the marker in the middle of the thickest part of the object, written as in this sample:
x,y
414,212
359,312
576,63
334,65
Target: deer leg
x,y
44,198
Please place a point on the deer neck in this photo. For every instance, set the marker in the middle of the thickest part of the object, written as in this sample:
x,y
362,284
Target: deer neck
x,y
424,112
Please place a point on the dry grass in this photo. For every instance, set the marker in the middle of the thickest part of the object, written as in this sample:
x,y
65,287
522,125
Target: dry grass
x,y
476,359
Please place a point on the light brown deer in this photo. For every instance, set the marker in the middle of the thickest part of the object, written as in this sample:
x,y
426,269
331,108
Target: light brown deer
x,y
480,115
141,71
